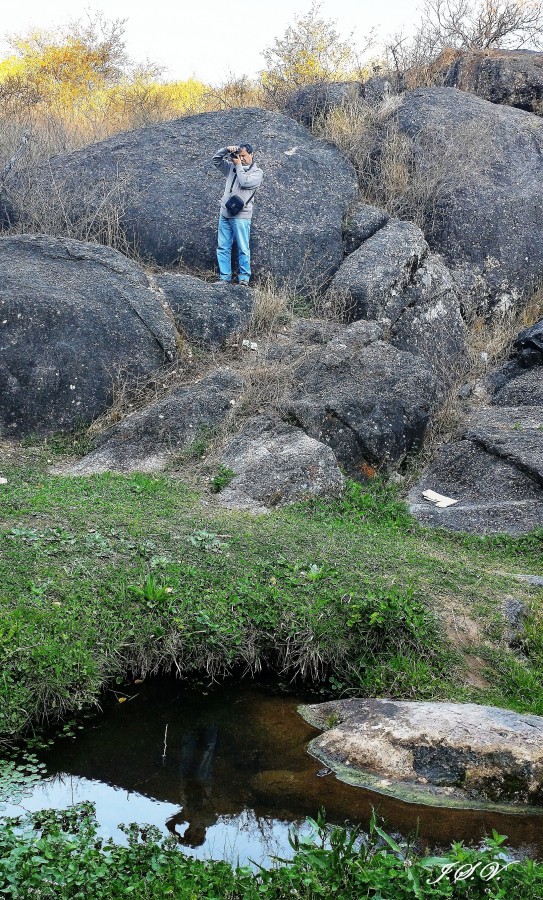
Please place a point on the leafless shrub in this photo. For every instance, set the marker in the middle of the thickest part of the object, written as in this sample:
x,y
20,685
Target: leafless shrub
x,y
80,207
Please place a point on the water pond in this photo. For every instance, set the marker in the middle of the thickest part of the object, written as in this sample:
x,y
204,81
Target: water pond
x,y
225,769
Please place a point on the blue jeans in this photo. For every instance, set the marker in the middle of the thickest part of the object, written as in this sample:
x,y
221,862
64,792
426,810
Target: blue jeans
x,y
240,231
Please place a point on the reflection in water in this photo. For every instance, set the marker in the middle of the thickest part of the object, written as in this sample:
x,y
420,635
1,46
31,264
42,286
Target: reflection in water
x,y
196,767
226,771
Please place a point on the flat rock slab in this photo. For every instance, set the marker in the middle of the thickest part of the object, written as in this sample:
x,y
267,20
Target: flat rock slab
x,y
443,754
276,464
74,316
493,494
207,314
146,441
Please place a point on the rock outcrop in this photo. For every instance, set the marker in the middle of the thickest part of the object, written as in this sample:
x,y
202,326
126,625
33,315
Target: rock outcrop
x,y
495,470
309,103
147,440
172,193
370,402
510,77
73,317
481,166
374,276
392,278
207,314
445,754
275,464
362,223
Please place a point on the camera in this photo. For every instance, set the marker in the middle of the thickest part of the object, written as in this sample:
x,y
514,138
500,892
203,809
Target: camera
x,y
236,152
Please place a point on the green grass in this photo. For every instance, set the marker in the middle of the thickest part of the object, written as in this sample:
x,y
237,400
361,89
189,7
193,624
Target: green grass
x,y
107,575
58,855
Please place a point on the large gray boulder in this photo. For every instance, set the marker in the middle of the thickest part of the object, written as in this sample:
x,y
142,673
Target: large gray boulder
x,y
481,166
510,77
374,276
207,314
443,754
391,277
147,440
172,198
74,317
276,464
370,402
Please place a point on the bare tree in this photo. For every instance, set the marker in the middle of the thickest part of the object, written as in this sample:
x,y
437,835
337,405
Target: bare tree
x,y
466,25
483,24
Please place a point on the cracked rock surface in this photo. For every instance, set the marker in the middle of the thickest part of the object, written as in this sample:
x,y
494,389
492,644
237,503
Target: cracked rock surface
x,y
370,402
275,464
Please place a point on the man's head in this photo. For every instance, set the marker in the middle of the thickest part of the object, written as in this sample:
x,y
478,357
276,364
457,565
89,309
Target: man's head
x,y
246,154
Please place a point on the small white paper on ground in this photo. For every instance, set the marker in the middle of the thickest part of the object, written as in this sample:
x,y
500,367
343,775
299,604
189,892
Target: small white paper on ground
x,y
439,499
3,481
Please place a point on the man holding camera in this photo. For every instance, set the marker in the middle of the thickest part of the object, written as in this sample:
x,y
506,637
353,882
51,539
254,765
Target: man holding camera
x,y
243,178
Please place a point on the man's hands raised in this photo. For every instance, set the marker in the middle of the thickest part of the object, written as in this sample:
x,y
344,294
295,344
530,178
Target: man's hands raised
x,y
235,159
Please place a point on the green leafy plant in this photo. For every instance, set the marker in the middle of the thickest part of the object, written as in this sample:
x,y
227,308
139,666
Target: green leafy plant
x,y
223,478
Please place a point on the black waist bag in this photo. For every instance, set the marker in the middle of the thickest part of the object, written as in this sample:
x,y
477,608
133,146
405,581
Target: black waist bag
x,y
235,204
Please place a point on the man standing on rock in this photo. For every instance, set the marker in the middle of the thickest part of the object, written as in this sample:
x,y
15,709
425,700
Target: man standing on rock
x,y
243,178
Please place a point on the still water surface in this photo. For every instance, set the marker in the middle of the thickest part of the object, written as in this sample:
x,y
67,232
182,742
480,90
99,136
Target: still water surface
x,y
225,769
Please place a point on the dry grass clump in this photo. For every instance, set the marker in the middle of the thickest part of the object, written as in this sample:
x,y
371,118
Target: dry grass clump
x,y
407,185
273,307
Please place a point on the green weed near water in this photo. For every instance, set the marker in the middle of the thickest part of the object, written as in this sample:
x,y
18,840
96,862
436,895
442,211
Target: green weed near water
x,y
58,854
109,575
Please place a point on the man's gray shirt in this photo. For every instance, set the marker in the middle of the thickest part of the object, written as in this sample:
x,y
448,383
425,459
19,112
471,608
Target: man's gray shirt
x,y
246,179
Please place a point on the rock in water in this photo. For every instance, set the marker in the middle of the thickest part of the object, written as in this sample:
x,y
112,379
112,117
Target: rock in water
x,y
457,754
73,317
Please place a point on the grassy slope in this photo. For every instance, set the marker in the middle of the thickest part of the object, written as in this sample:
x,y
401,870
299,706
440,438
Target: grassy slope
x,y
104,575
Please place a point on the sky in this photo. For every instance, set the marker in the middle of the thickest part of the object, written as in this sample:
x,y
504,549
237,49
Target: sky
x,y
209,40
